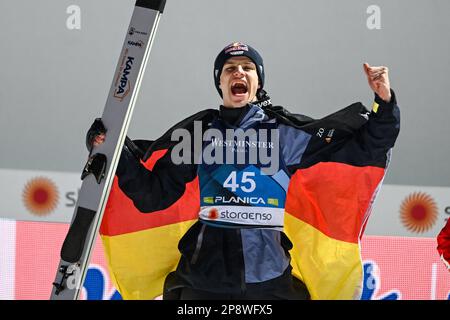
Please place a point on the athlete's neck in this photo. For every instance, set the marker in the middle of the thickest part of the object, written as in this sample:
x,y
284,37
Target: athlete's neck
x,y
233,115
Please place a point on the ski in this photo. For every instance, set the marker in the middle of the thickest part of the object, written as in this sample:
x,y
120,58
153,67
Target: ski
x,y
98,173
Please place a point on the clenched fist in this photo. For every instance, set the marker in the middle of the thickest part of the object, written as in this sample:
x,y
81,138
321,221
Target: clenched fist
x,y
378,79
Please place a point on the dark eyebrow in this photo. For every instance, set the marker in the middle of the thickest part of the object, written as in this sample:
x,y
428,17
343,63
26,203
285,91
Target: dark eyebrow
x,y
244,63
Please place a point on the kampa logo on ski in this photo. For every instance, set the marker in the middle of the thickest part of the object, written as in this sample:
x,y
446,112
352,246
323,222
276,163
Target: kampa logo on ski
x,y
138,44
122,83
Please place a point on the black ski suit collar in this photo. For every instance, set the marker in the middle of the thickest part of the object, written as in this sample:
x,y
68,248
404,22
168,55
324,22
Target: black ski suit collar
x,y
348,119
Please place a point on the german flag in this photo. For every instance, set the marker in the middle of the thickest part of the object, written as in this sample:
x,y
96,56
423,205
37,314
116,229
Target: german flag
x,y
326,211
328,202
141,249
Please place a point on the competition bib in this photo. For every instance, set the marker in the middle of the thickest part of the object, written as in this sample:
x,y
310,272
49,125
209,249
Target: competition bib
x,y
241,194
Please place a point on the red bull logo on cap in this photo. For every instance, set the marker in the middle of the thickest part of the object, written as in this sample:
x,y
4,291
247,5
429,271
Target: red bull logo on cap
x,y
236,48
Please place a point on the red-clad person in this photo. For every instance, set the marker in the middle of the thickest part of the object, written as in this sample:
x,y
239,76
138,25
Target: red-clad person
x,y
443,240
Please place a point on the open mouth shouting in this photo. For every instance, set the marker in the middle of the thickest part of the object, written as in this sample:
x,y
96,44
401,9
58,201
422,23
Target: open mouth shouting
x,y
239,89
238,82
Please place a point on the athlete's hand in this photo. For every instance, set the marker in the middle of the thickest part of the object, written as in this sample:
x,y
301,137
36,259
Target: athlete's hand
x,y
378,79
96,134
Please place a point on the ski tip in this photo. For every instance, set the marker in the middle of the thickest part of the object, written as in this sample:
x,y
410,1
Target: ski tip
x,y
152,4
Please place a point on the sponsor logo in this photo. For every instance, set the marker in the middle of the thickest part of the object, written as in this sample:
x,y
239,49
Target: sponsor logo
x,y
213,214
134,31
236,48
264,103
217,142
329,135
365,115
239,215
122,83
40,196
375,107
418,212
234,146
138,44
320,132
209,200
239,200
244,214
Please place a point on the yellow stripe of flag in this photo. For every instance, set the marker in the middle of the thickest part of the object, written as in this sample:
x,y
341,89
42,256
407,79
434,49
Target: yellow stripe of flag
x,y
140,261
331,269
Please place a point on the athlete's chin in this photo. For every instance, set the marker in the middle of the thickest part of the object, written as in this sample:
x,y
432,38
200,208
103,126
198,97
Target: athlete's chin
x,y
239,101
239,105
